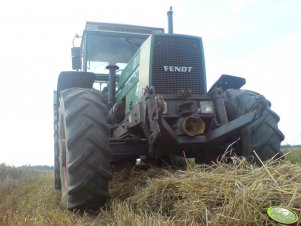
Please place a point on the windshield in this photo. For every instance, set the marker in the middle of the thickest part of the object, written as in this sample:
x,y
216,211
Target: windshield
x,y
103,50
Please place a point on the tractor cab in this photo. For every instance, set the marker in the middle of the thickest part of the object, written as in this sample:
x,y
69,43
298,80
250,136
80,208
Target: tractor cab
x,y
106,44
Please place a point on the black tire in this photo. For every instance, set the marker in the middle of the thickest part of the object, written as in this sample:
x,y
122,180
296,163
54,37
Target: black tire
x,y
85,154
262,135
57,178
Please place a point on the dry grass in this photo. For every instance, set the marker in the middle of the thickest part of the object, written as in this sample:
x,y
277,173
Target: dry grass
x,y
221,194
35,204
11,176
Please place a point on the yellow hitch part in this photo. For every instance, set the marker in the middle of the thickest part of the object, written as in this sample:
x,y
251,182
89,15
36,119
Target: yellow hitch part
x,y
193,125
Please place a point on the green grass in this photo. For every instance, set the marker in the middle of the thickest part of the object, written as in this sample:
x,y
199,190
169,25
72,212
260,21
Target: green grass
x,y
292,154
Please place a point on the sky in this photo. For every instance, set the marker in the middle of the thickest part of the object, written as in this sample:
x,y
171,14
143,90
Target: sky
x,y
256,39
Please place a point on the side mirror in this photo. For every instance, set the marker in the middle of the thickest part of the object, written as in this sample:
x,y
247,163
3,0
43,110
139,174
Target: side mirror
x,y
76,58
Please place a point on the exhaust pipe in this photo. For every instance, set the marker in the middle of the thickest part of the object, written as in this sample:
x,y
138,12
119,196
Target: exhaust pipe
x,y
193,126
170,21
111,86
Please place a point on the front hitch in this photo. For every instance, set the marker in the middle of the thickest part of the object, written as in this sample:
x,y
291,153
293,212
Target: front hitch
x,y
218,136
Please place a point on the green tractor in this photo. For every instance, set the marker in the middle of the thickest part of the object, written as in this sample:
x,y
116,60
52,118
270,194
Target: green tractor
x,y
137,95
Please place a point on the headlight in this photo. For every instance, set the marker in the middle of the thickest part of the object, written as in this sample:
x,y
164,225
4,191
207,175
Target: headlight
x,y
206,107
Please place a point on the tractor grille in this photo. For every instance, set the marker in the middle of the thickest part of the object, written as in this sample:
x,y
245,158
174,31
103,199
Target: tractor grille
x,y
177,64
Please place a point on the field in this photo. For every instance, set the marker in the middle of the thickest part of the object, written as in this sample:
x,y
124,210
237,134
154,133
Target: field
x,y
11,177
221,194
292,154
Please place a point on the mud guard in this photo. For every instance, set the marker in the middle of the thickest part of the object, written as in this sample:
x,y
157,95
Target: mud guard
x,y
71,79
228,82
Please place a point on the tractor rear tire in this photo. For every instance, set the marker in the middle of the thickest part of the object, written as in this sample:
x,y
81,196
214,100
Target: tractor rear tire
x,y
263,135
85,154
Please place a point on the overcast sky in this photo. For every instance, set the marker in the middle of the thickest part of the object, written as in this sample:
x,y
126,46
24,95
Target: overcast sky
x,y
257,39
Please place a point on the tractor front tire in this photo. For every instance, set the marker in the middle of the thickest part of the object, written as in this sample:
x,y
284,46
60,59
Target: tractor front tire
x,y
263,135
57,177
85,154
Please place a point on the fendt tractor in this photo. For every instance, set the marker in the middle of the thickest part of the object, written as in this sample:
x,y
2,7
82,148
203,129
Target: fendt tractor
x,y
138,96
